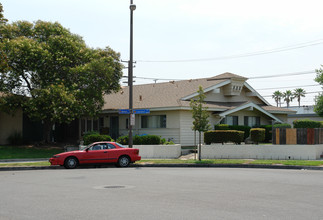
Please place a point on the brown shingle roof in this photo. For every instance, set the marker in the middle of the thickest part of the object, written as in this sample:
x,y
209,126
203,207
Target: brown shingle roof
x,y
271,108
158,95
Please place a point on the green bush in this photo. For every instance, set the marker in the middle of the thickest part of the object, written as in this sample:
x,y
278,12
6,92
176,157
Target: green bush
x,y
285,125
257,134
15,138
124,140
245,129
221,127
95,137
223,136
306,123
142,140
268,132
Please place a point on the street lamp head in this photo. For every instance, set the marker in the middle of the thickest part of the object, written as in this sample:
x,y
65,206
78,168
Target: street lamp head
x,y
132,7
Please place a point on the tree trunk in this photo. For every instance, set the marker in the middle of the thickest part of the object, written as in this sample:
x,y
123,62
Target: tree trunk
x,y
47,130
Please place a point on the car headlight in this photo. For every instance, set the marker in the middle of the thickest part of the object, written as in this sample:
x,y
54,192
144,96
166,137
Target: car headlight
x,y
56,156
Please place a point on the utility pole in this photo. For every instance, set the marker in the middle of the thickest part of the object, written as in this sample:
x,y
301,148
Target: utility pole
x,y
130,76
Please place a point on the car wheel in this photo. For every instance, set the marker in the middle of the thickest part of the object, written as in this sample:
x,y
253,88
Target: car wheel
x,y
123,161
70,163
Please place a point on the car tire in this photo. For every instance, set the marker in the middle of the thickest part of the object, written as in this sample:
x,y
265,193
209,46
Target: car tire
x,y
70,163
123,161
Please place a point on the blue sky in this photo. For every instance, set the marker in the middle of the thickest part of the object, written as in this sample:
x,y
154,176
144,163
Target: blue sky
x,y
209,30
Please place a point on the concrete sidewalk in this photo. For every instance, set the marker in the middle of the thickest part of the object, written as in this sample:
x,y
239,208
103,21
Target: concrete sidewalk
x,y
183,165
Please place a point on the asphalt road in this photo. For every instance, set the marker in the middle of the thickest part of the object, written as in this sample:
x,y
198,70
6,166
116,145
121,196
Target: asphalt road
x,y
161,193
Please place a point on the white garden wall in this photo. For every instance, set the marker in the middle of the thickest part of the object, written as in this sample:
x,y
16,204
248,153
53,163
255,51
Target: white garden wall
x,y
275,152
159,151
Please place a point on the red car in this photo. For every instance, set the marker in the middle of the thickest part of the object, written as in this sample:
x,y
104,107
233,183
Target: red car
x,y
97,153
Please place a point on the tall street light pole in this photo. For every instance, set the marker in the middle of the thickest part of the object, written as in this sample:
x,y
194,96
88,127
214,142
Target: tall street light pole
x,y
130,76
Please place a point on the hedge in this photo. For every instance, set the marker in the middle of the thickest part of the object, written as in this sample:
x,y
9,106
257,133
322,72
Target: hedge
x,y
268,132
140,140
306,123
282,125
257,134
95,137
223,136
221,127
245,129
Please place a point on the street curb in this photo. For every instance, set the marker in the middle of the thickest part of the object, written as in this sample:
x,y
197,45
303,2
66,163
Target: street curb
x,y
256,166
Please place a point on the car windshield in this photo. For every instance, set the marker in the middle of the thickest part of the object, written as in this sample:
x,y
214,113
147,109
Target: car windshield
x,y
120,145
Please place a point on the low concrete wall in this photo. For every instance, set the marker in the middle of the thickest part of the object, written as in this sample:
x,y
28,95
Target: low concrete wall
x,y
159,151
153,151
275,152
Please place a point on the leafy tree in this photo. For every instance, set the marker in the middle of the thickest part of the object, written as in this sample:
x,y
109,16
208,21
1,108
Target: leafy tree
x,y
298,93
200,116
277,95
53,75
2,18
318,107
3,63
288,97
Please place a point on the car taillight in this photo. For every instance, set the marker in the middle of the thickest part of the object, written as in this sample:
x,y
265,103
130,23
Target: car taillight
x,y
137,151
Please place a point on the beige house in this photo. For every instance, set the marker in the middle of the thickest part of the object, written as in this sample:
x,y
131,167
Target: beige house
x,y
229,98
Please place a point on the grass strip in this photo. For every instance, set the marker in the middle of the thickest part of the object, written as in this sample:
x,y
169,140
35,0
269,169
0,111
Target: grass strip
x,y
25,152
236,161
25,164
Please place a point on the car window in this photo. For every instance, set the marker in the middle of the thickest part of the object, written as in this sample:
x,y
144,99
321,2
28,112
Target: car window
x,y
99,147
111,146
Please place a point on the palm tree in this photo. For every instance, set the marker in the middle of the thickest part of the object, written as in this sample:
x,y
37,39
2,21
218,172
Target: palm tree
x,y
298,93
277,95
288,97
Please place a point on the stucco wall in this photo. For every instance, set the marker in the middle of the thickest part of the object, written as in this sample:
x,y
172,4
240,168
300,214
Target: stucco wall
x,y
275,152
171,132
9,125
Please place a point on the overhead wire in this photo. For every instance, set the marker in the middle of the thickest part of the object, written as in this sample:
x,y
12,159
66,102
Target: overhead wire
x,y
256,53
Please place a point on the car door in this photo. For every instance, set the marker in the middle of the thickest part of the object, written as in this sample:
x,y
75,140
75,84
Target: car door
x,y
112,153
97,153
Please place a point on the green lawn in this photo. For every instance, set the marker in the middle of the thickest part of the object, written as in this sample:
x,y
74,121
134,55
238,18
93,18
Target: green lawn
x,y
23,152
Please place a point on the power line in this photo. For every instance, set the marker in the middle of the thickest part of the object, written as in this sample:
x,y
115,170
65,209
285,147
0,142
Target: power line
x,y
255,77
256,53
286,87
284,74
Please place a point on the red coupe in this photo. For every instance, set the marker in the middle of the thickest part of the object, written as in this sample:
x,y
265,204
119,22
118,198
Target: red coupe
x,y
97,153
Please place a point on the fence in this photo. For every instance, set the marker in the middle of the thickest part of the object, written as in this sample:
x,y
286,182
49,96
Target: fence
x,y
298,136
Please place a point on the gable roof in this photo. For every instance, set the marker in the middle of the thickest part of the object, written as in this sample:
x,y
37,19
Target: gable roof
x,y
175,95
227,75
158,95
248,105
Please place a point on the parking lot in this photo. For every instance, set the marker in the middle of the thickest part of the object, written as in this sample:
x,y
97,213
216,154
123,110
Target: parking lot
x,y
161,193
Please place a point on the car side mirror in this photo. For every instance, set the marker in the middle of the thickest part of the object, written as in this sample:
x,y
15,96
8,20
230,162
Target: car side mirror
x,y
87,149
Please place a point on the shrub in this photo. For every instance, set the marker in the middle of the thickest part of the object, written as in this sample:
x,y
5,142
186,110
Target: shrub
x,y
15,138
285,125
257,134
221,127
245,129
141,140
95,137
306,123
268,132
223,136
124,140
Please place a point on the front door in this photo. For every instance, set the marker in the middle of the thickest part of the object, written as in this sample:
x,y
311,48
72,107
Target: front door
x,y
114,127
